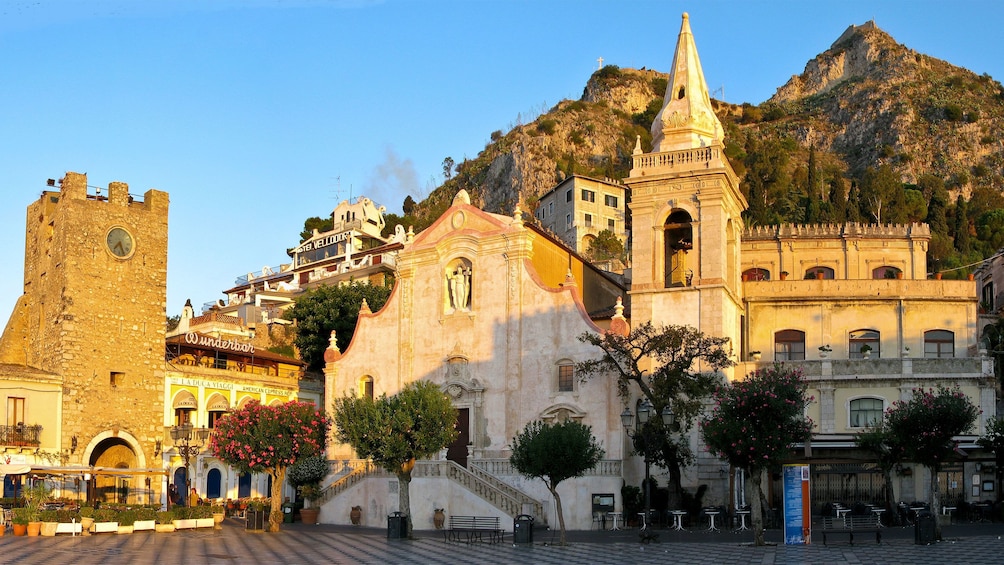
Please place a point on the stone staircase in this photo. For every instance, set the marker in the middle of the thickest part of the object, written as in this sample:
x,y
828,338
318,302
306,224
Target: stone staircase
x,y
489,488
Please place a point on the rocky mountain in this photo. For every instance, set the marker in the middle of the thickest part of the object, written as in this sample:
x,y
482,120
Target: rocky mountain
x,y
865,103
873,101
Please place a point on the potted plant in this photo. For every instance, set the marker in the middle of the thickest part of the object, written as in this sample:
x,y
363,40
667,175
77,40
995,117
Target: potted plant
x,y
19,521
184,517
86,519
165,521
203,516
312,493
49,522
307,474
755,355
866,351
35,498
105,520
219,514
146,519
255,516
824,351
126,519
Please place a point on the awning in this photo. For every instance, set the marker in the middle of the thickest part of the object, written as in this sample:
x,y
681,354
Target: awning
x,y
217,403
186,400
14,469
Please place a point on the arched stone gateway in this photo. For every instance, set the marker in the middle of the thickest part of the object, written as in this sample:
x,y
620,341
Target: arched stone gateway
x,y
116,453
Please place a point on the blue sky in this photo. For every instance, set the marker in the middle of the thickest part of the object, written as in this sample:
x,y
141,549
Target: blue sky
x,y
254,115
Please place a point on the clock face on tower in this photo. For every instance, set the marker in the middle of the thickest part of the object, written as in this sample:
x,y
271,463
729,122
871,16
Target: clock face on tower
x,y
120,242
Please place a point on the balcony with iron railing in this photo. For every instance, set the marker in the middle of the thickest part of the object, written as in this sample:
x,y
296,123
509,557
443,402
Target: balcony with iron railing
x,y
20,435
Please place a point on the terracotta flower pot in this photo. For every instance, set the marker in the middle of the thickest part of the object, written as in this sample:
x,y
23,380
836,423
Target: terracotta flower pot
x,y
309,515
20,529
34,528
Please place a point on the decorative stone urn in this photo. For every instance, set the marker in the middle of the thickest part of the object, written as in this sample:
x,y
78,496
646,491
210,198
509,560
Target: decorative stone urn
x,y
356,515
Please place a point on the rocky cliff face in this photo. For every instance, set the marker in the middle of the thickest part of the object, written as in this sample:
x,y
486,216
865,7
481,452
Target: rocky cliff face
x,y
874,101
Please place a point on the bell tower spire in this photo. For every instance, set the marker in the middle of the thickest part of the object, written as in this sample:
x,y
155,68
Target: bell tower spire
x,y
687,120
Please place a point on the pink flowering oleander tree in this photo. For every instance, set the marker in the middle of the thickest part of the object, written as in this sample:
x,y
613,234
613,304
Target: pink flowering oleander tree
x,y
926,425
269,439
753,425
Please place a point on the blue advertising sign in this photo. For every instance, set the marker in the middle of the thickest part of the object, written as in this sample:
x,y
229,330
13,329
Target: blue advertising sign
x,y
795,486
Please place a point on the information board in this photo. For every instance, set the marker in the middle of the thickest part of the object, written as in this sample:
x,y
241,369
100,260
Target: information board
x,y
795,484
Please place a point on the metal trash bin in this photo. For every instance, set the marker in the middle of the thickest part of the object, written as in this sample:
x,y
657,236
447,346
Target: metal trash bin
x,y
923,529
287,512
397,528
522,529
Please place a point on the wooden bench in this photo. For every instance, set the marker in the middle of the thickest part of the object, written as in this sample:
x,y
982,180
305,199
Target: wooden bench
x,y
850,525
473,528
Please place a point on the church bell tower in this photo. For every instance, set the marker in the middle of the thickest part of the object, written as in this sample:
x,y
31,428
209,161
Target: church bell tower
x,y
686,211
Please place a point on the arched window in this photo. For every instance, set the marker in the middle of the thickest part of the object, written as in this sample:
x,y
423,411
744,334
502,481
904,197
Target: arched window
x,y
886,272
862,341
814,273
939,343
678,235
366,387
865,412
789,345
756,274
213,483
566,376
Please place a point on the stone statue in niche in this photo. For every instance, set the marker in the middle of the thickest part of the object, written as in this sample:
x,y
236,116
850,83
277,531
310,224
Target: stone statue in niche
x,y
458,280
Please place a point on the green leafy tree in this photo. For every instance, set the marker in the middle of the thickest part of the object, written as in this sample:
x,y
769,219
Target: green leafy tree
x,y
448,165
331,308
990,230
605,246
888,452
315,223
553,453
925,425
269,439
394,431
754,424
993,440
915,206
660,362
408,206
882,196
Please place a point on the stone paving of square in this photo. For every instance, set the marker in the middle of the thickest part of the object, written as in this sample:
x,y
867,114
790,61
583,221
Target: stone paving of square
x,y
297,543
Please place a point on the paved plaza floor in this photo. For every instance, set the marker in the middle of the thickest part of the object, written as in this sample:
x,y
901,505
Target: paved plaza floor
x,y
297,543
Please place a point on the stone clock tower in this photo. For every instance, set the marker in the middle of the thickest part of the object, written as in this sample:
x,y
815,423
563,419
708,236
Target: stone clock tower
x,y
93,312
686,206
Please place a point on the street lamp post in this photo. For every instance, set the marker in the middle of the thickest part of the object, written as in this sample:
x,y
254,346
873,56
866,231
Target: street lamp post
x,y
189,441
645,410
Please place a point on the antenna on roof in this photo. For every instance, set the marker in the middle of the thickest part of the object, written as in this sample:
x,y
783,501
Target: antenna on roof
x,y
338,188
